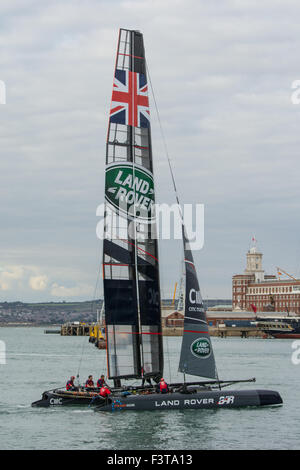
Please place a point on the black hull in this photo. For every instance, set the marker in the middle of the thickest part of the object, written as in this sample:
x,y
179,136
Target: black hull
x,y
199,400
61,398
189,396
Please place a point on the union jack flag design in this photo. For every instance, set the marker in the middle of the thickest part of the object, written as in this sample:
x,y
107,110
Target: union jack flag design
x,y
130,103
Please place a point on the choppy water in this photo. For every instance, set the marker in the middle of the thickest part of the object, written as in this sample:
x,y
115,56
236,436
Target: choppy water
x,y
37,362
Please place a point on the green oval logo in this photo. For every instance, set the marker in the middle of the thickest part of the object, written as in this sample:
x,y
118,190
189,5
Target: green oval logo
x,y
130,190
201,347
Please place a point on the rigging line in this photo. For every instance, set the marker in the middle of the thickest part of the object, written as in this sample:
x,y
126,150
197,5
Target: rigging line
x,y
172,176
161,255
169,163
164,296
169,360
92,308
164,139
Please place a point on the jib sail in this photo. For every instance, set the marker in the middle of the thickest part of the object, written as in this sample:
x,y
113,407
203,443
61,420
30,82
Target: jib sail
x,y
130,253
197,357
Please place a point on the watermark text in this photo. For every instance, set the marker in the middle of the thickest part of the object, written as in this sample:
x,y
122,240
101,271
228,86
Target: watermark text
x,y
296,353
2,353
162,221
2,92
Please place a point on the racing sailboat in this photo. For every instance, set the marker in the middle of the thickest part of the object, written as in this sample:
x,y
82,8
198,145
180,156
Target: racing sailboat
x,y
131,265
132,300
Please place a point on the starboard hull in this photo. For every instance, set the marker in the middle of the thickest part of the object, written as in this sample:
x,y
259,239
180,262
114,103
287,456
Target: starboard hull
x,y
198,400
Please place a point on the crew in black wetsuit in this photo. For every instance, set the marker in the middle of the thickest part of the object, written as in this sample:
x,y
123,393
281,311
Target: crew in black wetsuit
x,y
147,379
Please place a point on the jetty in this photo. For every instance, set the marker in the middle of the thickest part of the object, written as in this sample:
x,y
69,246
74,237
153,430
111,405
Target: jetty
x,y
95,331
96,336
222,332
75,329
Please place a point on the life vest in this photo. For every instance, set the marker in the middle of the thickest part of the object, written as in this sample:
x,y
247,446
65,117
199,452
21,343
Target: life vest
x,y
101,383
104,391
89,383
163,387
69,385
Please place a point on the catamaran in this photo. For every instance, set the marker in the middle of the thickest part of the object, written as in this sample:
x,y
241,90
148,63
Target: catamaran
x,y
132,299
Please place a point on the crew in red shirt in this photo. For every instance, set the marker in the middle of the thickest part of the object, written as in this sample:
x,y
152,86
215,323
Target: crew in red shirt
x,y
104,392
70,384
101,381
163,386
89,383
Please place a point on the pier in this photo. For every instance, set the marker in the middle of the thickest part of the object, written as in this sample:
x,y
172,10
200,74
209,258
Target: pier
x,y
75,329
96,336
222,332
93,330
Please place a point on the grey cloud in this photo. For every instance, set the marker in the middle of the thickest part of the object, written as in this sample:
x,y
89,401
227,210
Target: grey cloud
x,y
222,74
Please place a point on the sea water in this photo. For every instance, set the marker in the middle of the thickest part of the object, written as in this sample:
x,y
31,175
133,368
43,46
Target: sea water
x,y
35,362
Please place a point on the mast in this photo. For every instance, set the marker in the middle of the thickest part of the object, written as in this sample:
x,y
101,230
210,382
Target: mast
x,y
130,252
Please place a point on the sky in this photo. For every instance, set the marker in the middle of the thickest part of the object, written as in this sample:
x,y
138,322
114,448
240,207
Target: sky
x,y
222,74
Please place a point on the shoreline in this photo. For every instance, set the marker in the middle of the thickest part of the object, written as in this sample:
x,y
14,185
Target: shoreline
x,y
28,325
166,331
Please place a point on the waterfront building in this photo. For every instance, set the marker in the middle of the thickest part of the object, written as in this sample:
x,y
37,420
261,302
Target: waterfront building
x,y
264,292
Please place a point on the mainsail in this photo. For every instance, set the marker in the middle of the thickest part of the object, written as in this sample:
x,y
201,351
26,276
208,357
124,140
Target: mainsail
x,y
197,357
130,252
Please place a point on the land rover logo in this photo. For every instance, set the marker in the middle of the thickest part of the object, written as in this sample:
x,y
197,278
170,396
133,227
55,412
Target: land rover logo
x,y
130,190
201,348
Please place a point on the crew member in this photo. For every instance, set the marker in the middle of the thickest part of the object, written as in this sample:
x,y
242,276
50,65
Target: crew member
x,y
70,384
104,391
89,383
101,382
147,379
163,386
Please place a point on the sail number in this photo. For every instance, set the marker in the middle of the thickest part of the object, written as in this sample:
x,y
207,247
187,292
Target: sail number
x,y
153,297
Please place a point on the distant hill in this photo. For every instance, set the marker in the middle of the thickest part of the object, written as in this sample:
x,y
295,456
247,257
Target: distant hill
x,y
45,313
49,312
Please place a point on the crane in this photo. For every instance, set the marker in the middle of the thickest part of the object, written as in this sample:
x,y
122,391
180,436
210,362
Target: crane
x,y
280,271
173,301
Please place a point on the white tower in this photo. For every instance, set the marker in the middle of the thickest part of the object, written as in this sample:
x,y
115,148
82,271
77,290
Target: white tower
x,y
254,262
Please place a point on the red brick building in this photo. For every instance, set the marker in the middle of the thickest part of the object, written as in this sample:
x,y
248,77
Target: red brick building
x,y
174,319
265,292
